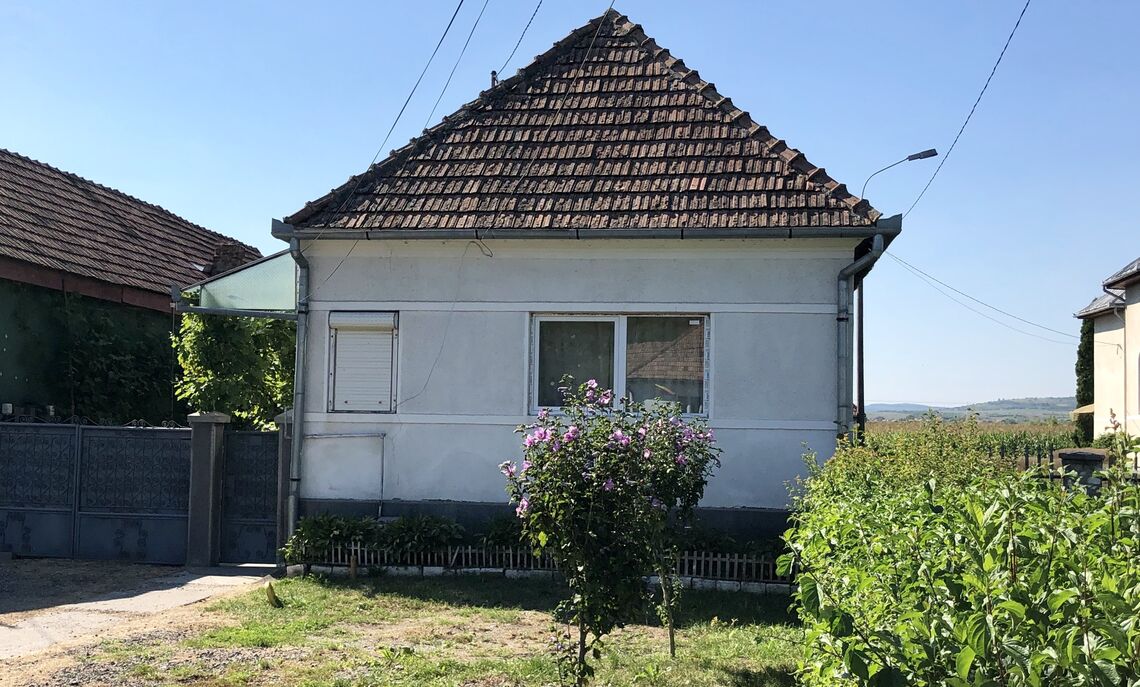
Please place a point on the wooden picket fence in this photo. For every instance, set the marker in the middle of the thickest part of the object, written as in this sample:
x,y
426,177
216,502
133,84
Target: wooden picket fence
x,y
692,564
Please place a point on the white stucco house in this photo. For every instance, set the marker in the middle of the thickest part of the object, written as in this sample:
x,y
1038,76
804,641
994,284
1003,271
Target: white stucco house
x,y
607,213
1116,349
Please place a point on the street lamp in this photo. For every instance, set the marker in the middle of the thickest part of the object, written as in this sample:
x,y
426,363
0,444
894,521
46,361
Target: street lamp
x,y
862,418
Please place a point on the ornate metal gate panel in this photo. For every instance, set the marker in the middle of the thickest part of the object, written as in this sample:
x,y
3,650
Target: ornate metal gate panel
x,y
249,498
134,491
94,492
37,489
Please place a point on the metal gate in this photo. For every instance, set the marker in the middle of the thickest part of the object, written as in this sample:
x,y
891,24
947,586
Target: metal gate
x,y
94,492
249,498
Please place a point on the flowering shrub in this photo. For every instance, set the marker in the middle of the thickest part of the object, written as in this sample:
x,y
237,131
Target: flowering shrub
x,y
600,489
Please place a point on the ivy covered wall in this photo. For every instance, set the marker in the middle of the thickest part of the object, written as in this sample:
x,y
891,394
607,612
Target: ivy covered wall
x,y
106,361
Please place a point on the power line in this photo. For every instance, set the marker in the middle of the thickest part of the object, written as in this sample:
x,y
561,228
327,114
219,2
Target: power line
x,y
456,65
558,111
972,109
932,285
978,300
517,44
360,178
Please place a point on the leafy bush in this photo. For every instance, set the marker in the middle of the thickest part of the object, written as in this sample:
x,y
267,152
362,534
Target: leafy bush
x,y
419,534
601,490
932,564
407,535
502,531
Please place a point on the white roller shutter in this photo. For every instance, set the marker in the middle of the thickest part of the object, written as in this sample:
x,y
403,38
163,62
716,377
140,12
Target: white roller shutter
x,y
363,364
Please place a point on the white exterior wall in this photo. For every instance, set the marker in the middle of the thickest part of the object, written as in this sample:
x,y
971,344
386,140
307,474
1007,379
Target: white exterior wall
x,y
463,357
1132,356
1108,371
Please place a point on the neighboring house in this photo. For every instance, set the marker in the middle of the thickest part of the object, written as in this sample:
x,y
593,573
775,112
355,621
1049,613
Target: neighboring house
x,y
85,279
605,213
1116,350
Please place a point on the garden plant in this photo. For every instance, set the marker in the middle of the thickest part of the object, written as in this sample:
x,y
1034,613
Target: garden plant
x,y
933,563
603,490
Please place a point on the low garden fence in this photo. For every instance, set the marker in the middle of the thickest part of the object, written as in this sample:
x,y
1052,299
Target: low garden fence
x,y
731,567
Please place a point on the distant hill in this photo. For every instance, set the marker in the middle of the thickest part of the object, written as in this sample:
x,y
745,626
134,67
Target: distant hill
x,y
1001,410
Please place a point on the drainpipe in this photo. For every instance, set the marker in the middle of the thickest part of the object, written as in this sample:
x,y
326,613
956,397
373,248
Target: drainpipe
x,y
1124,337
293,505
843,332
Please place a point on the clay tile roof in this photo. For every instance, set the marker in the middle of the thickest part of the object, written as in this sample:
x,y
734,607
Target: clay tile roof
x,y
60,221
1128,274
620,136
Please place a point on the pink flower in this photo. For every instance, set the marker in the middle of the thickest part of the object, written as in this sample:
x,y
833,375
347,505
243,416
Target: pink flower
x,y
641,431
620,438
542,434
507,468
589,394
592,384
525,466
571,434
606,397
608,485
529,441
523,507
543,414
647,453
681,459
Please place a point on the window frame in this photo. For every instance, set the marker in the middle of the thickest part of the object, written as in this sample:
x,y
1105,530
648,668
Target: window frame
x,y
620,321
330,366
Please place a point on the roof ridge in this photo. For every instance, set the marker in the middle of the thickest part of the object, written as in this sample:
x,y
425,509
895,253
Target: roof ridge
x,y
795,159
83,180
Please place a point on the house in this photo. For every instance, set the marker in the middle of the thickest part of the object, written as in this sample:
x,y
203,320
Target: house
x,y
606,213
85,278
1116,351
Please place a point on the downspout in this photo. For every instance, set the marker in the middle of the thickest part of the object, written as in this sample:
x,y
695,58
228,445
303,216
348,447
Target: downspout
x,y
293,504
1124,347
843,332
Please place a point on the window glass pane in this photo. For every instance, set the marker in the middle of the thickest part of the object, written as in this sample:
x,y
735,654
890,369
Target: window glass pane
x,y
665,358
581,349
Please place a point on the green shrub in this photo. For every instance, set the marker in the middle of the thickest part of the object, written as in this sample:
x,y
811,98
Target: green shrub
x,y
504,530
420,534
935,565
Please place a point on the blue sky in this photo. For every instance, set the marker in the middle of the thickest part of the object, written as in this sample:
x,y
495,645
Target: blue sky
x,y
232,113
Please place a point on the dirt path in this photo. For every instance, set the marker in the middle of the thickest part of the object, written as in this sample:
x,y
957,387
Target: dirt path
x,y
41,636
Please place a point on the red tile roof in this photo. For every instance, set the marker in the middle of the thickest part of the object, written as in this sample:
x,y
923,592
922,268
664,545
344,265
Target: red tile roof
x,y
618,136
63,222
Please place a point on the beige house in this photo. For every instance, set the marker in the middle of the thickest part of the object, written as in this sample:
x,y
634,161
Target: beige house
x,y
1116,350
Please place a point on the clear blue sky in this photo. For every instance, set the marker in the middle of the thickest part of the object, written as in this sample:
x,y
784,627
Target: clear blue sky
x,y
231,113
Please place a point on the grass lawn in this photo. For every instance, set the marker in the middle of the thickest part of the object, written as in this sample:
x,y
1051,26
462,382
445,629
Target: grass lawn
x,y
472,631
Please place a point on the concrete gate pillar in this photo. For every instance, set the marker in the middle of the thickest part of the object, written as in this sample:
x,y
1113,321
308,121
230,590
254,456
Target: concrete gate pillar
x,y
203,530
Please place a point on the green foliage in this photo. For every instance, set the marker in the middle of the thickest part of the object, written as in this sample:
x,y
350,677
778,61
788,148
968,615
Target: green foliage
x,y
601,489
933,564
419,534
502,531
237,365
1084,370
412,534
106,361
894,437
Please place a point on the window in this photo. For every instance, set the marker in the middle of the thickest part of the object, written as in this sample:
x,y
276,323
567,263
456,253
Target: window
x,y
362,362
644,356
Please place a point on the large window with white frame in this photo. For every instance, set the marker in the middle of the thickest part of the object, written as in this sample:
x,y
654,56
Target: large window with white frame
x,y
362,362
643,356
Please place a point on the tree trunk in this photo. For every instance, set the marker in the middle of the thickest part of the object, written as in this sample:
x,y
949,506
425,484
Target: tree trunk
x,y
667,600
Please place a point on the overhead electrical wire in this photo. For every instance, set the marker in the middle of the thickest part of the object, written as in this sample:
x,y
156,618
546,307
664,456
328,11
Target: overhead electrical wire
x,y
360,178
520,40
933,285
972,109
456,65
978,300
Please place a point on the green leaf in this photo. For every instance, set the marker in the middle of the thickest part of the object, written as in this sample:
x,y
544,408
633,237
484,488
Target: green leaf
x,y
964,661
809,594
1013,607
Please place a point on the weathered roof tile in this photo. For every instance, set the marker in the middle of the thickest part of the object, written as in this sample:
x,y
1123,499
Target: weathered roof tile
x,y
623,135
